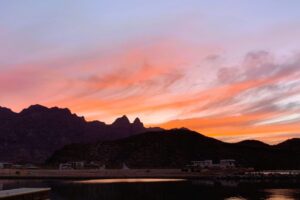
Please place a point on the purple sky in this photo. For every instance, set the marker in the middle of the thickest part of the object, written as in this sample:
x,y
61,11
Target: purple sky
x,y
228,69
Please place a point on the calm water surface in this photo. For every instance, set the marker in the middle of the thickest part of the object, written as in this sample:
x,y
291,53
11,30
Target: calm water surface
x,y
165,189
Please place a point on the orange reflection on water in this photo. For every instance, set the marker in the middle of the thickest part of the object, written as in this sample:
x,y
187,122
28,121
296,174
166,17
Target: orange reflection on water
x,y
282,194
128,180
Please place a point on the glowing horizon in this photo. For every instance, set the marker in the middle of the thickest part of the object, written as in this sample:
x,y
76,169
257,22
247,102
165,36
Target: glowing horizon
x,y
229,70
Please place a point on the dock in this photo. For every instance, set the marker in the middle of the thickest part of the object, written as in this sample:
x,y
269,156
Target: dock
x,y
25,194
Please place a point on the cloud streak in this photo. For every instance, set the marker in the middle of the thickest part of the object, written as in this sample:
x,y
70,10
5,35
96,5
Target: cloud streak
x,y
172,68
237,101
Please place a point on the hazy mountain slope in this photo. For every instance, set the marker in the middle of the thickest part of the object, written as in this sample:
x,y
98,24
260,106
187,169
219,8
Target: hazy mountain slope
x,y
175,148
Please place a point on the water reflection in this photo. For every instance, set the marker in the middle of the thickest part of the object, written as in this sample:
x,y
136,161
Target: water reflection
x,y
128,180
286,194
162,189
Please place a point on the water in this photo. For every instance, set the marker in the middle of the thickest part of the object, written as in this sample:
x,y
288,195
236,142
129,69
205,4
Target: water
x,y
165,189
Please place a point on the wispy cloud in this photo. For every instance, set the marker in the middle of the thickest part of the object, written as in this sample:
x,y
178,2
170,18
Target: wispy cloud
x,y
230,77
249,103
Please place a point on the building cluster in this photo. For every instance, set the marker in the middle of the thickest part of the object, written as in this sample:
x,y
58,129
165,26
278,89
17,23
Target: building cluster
x,y
209,164
8,165
79,165
85,165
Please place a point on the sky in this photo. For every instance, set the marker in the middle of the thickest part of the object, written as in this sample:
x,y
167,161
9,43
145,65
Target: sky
x,y
228,69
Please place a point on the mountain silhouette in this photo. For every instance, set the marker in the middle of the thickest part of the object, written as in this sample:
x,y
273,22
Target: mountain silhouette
x,y
177,147
253,144
37,131
6,114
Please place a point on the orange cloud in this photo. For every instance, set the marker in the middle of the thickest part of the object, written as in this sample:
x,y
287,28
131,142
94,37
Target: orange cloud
x,y
155,82
236,128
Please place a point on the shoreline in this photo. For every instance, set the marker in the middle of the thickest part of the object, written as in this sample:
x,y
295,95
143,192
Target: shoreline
x,y
96,174
142,173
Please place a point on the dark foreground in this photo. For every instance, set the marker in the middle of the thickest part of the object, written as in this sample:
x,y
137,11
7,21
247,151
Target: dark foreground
x,y
165,189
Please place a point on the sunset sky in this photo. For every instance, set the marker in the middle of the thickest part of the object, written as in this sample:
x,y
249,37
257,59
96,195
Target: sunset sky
x,y
228,69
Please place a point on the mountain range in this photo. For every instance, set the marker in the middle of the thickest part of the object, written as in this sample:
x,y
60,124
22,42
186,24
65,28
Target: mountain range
x,y
39,134
177,147
33,134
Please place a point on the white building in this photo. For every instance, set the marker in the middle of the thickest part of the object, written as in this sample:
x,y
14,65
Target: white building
x,y
203,163
72,165
208,164
227,163
5,165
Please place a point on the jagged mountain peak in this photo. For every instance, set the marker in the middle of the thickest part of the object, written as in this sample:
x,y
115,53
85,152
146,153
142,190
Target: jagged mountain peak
x,y
137,121
121,121
34,109
43,130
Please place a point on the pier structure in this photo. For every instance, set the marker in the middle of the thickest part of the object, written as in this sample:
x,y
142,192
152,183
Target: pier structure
x,y
25,194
